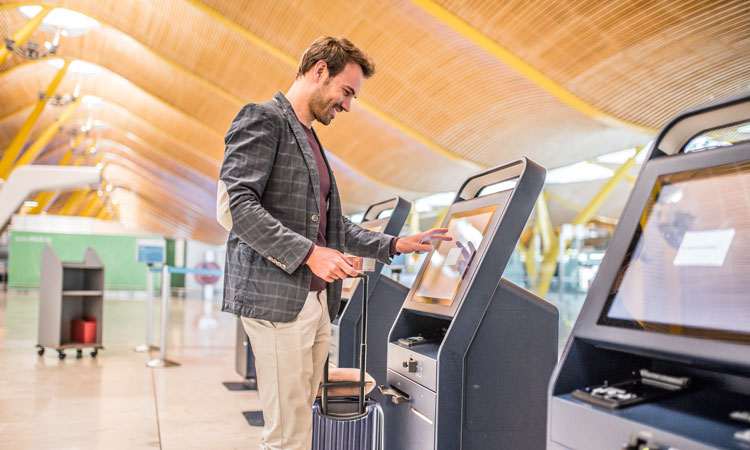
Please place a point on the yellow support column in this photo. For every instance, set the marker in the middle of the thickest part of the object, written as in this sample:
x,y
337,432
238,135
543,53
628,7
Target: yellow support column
x,y
102,214
529,262
92,208
11,153
22,35
550,246
606,191
76,200
44,198
31,153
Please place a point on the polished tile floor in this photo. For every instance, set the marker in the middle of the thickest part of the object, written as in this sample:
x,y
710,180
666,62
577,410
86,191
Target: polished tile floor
x,y
114,401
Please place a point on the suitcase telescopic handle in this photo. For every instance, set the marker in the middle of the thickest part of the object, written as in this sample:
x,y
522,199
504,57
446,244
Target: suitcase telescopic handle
x,y
362,358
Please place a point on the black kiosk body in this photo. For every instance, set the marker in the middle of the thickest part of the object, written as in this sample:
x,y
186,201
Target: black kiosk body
x,y
660,355
470,354
244,359
385,299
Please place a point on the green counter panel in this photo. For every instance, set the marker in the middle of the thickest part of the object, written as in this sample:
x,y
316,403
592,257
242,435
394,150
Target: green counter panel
x,y
121,270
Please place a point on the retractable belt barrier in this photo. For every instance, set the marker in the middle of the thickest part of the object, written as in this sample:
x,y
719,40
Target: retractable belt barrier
x,y
166,272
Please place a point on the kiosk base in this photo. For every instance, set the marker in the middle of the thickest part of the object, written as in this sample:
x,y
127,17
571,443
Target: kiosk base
x,y
499,398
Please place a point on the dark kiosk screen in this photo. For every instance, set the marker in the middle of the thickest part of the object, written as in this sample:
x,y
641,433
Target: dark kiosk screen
x,y
687,271
450,259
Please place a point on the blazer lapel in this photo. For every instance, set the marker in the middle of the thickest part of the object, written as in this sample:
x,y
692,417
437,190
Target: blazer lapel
x,y
302,143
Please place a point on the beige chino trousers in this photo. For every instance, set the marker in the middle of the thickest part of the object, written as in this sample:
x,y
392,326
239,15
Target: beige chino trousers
x,y
289,360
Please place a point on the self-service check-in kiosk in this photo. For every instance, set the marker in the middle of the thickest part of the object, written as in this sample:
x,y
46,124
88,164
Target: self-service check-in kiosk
x,y
660,355
469,355
385,299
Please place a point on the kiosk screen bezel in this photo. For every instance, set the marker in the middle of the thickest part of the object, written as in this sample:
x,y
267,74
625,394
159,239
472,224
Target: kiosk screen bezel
x,y
649,230
588,326
349,285
499,199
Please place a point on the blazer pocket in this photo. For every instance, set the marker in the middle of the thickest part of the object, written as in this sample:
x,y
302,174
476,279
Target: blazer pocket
x,y
249,260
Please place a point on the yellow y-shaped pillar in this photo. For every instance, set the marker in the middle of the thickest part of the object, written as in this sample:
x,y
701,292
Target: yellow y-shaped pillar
x,y
17,145
44,198
31,153
606,190
103,214
550,246
76,200
92,206
25,31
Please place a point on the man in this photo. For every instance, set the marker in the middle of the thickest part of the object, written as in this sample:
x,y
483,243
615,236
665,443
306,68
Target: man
x,y
285,259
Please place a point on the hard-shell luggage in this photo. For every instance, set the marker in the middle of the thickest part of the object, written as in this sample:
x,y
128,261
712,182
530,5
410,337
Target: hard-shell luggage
x,y
349,434
349,423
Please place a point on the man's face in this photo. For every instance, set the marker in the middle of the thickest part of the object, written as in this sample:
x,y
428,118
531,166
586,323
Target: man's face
x,y
334,95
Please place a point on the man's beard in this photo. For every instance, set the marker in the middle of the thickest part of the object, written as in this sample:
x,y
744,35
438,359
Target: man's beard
x,y
320,106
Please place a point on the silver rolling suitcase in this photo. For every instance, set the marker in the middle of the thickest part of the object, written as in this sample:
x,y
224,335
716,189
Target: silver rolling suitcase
x,y
349,423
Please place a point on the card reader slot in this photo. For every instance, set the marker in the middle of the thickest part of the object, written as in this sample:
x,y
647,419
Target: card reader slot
x,y
397,396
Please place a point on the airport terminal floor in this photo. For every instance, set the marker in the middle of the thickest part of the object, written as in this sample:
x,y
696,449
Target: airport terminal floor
x,y
114,401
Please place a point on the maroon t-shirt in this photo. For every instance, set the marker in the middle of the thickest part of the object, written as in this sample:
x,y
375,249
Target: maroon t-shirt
x,y
317,283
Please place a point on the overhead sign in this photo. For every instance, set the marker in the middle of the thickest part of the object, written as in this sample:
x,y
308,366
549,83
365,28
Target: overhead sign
x,y
150,251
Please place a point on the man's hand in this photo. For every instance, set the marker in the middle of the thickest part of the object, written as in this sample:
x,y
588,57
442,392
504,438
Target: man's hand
x,y
422,242
330,264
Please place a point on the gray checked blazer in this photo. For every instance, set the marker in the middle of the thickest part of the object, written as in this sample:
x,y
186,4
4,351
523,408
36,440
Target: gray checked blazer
x,y
273,189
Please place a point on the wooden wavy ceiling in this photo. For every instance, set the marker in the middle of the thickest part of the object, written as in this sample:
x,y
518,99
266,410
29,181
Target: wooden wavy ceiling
x,y
440,106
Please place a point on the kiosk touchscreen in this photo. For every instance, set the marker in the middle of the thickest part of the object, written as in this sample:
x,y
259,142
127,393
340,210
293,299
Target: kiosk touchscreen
x,y
384,300
441,276
469,354
689,270
660,355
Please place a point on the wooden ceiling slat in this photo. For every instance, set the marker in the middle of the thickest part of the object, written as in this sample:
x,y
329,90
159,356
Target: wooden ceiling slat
x,y
125,120
608,50
32,76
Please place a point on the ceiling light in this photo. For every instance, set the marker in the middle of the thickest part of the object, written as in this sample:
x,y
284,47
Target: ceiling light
x,y
357,218
704,142
744,129
91,125
434,201
82,68
30,204
618,158
71,22
578,172
498,187
91,101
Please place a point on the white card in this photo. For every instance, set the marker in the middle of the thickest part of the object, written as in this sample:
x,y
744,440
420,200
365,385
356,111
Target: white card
x,y
704,248
368,264
452,257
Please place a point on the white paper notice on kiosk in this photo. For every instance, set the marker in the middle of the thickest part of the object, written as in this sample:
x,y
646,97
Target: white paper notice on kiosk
x,y
704,248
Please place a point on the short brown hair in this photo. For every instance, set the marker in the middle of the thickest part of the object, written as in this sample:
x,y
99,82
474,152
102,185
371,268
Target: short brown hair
x,y
336,52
